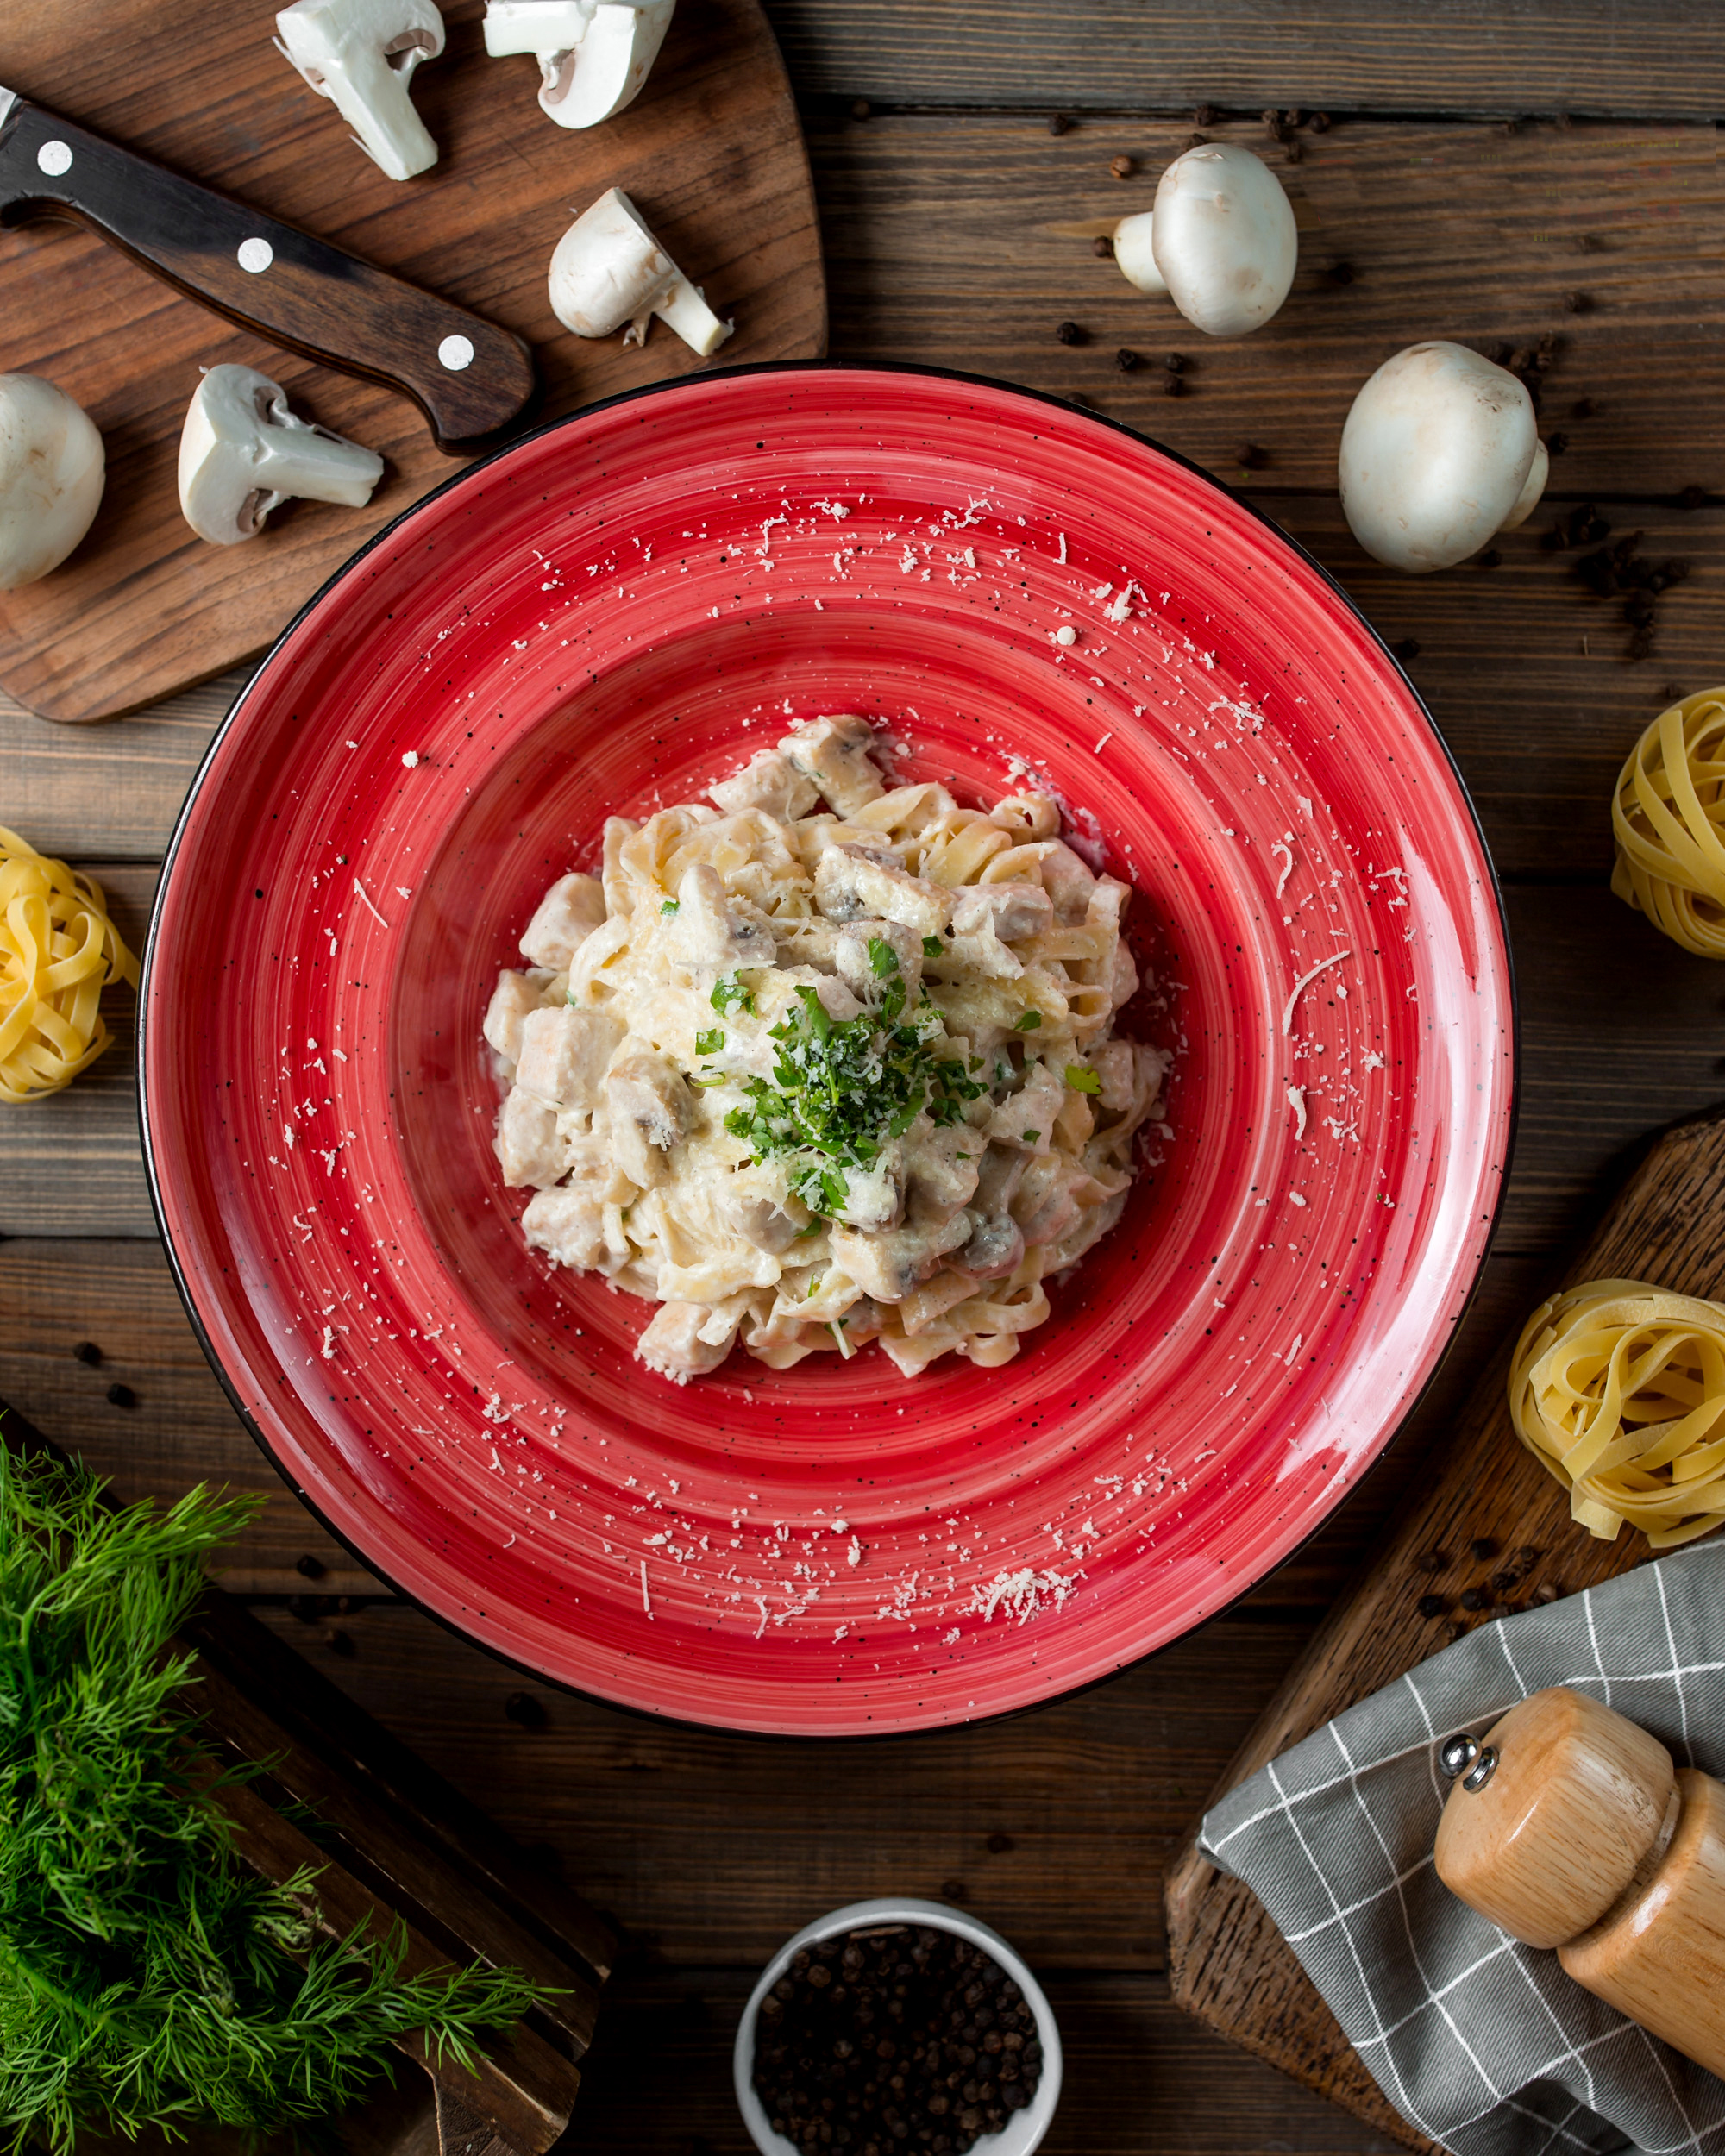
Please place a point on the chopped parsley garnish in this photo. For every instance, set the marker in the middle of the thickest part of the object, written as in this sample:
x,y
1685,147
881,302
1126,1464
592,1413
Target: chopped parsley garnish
x,y
843,1089
709,1043
1030,1138
1028,1023
932,947
729,991
882,957
1082,1079
669,906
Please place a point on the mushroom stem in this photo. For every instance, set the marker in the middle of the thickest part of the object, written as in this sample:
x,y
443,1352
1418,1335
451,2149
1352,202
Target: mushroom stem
x,y
684,309
1528,499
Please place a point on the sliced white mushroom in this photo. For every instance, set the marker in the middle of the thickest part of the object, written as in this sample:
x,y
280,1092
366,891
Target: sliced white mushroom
x,y
241,452
361,55
1440,451
609,271
594,55
52,473
1221,241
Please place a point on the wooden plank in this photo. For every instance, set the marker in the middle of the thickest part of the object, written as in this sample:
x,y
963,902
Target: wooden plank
x,y
1598,985
1522,666
713,1848
1227,1963
1657,58
942,237
179,1428
108,793
711,151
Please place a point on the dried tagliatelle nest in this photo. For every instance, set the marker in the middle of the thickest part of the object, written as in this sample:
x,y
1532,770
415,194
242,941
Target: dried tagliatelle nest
x,y
1668,817
1619,1387
58,951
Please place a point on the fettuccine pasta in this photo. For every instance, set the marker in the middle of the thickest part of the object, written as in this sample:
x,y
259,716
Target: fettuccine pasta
x,y
1668,817
58,951
1619,1387
812,1076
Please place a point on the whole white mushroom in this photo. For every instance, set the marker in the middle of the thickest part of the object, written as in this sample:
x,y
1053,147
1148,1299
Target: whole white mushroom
x,y
608,273
52,469
1440,451
1220,240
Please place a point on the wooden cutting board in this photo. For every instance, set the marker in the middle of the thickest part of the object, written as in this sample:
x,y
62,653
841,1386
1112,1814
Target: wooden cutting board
x,y
711,152
1227,1963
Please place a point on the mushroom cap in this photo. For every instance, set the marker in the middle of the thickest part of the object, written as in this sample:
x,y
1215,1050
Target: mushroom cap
x,y
1225,239
606,71
608,269
1436,455
52,468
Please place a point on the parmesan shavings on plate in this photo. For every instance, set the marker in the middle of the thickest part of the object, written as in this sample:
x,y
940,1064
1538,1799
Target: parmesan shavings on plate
x,y
1023,1595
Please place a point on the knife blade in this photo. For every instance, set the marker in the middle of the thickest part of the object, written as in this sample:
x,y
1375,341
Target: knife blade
x,y
472,378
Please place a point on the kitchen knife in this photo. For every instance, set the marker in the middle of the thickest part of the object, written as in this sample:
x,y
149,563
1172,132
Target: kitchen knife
x,y
470,377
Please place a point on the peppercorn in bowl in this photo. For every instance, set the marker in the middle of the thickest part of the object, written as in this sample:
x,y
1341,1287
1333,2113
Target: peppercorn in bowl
x,y
897,2025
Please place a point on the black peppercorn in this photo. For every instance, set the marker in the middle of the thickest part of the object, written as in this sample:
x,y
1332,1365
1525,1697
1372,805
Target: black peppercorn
x,y
123,1396
1490,559
1126,359
998,1844
1432,1605
1481,1548
1101,247
525,1711
1556,443
1205,117
1434,1560
1578,302
1475,1598
87,1351
1342,272
1172,386
339,1642
310,1568
1693,498
1251,457
1069,332
1057,123
1321,123
1407,650
1175,363
1122,167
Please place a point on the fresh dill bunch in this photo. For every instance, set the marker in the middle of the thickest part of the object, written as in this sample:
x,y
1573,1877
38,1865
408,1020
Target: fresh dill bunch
x,y
147,1978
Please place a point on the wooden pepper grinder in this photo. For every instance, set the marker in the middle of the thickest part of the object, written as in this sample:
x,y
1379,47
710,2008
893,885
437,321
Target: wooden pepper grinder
x,y
1571,1827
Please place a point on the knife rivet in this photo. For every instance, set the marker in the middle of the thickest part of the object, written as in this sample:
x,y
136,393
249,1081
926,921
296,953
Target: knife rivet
x,y
54,157
256,255
455,353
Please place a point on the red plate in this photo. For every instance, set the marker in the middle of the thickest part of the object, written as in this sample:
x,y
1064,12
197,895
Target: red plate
x,y
610,615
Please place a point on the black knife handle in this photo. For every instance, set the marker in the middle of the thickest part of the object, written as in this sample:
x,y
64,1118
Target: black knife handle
x,y
470,377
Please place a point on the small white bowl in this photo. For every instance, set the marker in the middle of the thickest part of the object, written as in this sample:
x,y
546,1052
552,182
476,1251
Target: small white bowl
x,y
1022,2131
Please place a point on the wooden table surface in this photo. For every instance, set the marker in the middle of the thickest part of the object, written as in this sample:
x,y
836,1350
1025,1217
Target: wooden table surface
x,y
1491,171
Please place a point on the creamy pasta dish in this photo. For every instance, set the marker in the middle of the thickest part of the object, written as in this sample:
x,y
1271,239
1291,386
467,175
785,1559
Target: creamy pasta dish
x,y
822,1063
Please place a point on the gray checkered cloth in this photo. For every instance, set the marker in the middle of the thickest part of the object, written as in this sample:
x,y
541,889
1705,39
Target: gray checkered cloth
x,y
1482,2044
